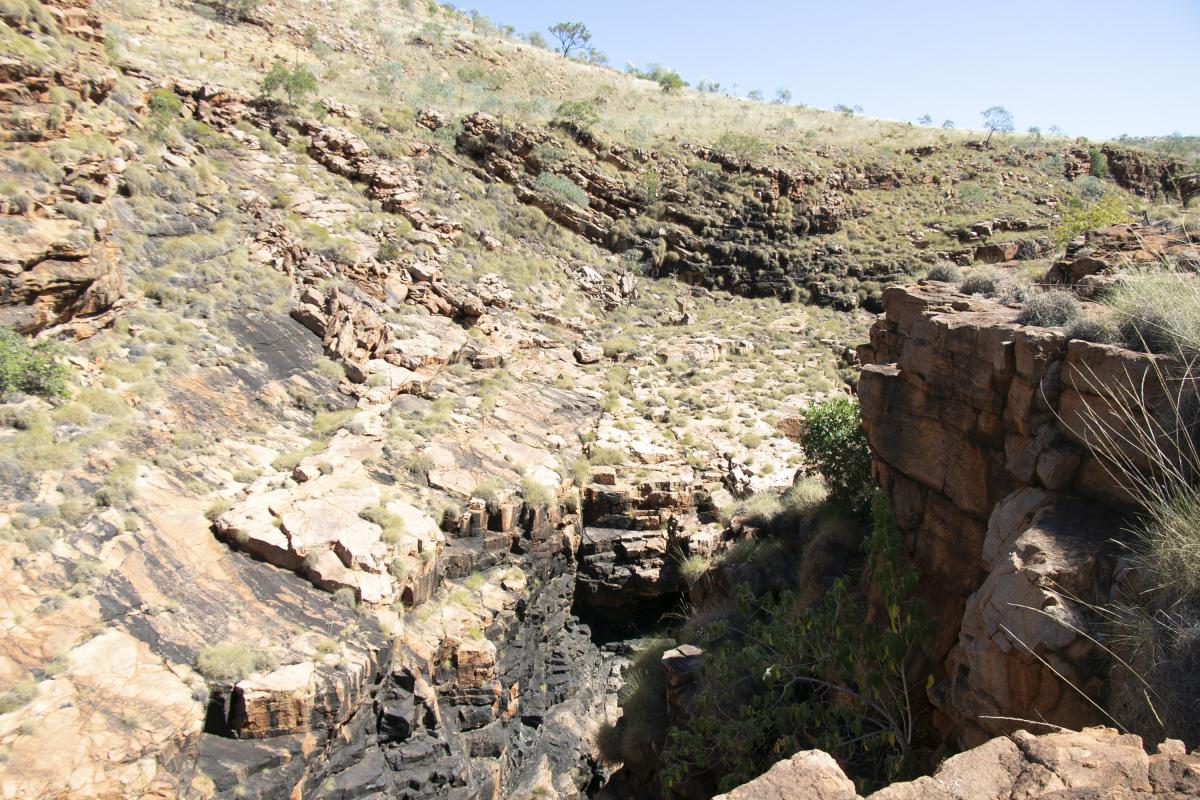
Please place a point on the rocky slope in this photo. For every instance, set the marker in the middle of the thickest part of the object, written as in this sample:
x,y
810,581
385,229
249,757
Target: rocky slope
x,y
378,449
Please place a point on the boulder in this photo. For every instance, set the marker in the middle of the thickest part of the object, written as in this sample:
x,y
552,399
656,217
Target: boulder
x,y
587,353
808,775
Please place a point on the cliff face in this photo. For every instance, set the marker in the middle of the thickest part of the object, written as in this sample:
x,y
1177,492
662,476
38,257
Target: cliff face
x,y
977,423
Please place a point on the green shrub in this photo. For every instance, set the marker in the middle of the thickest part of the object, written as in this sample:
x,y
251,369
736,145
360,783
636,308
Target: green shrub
x,y
1079,217
794,678
31,368
560,190
235,9
578,114
296,82
231,661
833,440
1051,308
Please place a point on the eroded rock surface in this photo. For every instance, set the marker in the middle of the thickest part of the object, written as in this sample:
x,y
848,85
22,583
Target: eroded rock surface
x,y
978,427
1095,762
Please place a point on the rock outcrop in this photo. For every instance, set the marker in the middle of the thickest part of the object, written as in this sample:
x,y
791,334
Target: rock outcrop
x,y
1096,762
758,249
978,427
1099,254
56,263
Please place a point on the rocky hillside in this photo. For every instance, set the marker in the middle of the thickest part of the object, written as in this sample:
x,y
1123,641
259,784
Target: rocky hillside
x,y
372,436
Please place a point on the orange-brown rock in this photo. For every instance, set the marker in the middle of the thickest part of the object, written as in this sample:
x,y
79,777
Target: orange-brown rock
x,y
1106,250
1092,763
965,408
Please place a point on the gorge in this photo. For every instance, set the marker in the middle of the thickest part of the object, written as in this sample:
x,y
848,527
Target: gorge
x,y
427,439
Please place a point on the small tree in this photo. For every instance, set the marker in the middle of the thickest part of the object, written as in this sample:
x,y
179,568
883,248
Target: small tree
x,y
670,80
925,120
754,94
835,445
297,82
1079,217
783,96
577,114
745,147
571,36
537,40
1035,132
948,125
997,118
1099,162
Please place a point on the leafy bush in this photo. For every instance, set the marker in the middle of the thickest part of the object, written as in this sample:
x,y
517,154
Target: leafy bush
x,y
577,114
560,191
834,442
164,107
30,368
1052,308
1079,217
231,661
792,678
745,147
297,82
236,9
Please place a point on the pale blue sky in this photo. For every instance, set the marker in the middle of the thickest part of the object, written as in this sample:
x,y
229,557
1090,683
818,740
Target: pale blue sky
x,y
1097,69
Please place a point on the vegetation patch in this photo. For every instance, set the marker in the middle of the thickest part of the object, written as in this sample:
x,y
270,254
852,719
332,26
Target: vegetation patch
x,y
232,661
31,368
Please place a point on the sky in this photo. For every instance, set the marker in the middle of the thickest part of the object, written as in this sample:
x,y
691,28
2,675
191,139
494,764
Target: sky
x,y
1098,69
